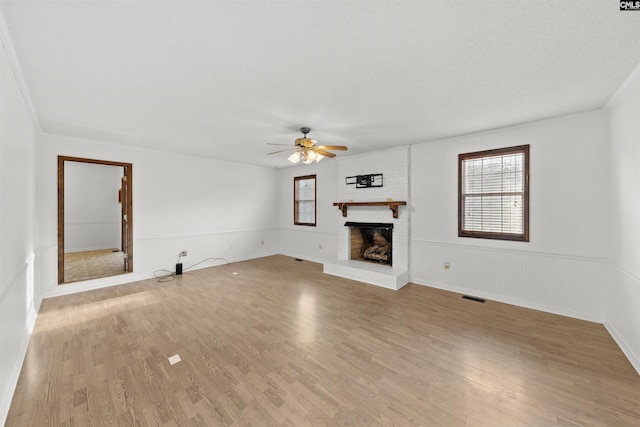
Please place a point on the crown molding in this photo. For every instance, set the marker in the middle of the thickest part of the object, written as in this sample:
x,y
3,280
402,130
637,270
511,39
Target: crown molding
x,y
7,44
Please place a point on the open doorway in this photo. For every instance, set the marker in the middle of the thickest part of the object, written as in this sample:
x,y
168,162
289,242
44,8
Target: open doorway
x,y
94,219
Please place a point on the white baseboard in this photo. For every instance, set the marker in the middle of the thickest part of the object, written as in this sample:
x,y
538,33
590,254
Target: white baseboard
x,y
306,258
5,401
633,359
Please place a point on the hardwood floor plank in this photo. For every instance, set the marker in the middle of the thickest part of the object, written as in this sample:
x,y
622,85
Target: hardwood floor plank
x,y
280,343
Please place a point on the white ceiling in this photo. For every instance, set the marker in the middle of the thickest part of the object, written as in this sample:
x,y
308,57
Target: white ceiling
x,y
221,78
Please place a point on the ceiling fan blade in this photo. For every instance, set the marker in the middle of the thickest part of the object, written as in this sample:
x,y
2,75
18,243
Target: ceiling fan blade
x,y
331,147
281,151
273,143
305,142
324,153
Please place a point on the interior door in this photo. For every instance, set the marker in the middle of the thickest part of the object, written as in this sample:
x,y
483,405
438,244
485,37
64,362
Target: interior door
x,y
126,207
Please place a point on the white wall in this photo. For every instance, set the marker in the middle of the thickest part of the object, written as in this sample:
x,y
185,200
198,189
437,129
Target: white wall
x,y
562,268
622,287
18,240
311,243
92,214
208,207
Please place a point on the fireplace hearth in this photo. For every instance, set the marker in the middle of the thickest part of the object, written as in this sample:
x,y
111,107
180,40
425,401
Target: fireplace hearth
x,y
371,242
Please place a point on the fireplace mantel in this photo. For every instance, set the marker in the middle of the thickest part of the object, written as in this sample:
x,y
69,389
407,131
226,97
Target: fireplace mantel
x,y
392,205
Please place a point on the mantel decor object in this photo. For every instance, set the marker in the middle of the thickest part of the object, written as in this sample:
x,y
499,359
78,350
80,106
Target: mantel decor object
x,y
365,181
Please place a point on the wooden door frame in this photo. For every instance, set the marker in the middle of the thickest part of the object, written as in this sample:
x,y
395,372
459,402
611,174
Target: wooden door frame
x,y
128,172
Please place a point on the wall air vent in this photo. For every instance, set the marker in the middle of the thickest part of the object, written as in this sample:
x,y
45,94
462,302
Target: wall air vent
x,y
476,299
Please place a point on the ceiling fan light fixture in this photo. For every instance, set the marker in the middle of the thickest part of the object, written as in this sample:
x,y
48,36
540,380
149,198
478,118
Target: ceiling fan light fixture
x,y
306,150
311,156
295,157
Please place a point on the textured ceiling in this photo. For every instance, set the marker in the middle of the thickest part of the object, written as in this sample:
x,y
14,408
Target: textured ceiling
x,y
222,78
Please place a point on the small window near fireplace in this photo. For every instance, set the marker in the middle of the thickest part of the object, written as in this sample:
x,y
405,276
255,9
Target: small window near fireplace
x,y
304,200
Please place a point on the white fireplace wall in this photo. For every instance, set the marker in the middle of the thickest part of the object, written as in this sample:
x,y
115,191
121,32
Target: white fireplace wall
x,y
394,165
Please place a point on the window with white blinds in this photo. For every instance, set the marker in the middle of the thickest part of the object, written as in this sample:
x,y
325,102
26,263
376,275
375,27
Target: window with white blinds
x,y
304,200
493,194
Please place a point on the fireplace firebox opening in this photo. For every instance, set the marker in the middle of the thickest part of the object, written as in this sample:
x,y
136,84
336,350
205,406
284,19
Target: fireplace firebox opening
x,y
371,242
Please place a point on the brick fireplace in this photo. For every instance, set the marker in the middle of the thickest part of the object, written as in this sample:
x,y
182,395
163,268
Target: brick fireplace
x,y
378,268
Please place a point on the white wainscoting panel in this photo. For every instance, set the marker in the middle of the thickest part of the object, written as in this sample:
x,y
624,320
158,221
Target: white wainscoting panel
x,y
561,284
622,317
19,306
308,243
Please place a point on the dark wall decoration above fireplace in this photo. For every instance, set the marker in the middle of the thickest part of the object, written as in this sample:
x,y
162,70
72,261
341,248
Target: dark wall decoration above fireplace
x,y
365,181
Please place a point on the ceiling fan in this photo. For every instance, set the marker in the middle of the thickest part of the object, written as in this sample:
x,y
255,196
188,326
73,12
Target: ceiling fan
x,y
307,151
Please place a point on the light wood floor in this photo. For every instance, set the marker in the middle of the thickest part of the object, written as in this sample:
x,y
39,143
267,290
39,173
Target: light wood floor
x,y
88,265
280,343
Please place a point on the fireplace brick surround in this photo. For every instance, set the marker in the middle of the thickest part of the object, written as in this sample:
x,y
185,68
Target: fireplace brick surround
x,y
394,165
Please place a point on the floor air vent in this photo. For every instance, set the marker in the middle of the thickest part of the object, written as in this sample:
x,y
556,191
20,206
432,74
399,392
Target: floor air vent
x,y
482,300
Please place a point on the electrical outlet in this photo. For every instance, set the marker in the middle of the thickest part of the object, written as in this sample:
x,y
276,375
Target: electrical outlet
x,y
320,247
183,253
262,242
